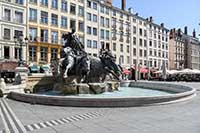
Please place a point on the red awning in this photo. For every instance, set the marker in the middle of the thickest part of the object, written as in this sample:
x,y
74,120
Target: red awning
x,y
126,71
143,70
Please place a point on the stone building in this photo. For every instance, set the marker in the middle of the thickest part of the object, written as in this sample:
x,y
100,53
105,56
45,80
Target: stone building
x,y
12,24
184,50
135,41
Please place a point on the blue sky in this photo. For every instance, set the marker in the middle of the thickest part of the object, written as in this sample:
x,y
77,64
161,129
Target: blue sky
x,y
174,13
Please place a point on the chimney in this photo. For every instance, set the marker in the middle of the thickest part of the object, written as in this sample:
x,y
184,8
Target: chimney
x,y
151,19
123,5
186,30
162,25
136,14
179,32
194,33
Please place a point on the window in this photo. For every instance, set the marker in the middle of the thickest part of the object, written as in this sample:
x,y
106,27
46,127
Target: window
x,y
21,2
145,53
72,8
134,30
88,3
102,21
121,59
89,30
44,17
134,40
121,48
140,52
89,17
155,44
44,2
145,43
7,14
18,33
150,43
6,52
141,42
32,34
54,4
54,37
134,51
94,44
64,6
64,22
95,5
121,15
95,31
80,11
107,35
102,9
54,53
43,35
102,34
18,17
127,48
114,47
145,33
33,15
114,13
140,32
128,59
107,22
89,43
94,18
43,53
72,24
81,26
107,10
155,53
6,34
54,19
32,53
17,53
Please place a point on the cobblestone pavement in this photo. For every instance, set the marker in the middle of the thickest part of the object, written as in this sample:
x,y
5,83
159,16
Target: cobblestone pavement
x,y
183,117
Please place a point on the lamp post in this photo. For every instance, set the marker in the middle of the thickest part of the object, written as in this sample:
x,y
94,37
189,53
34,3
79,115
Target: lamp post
x,y
20,41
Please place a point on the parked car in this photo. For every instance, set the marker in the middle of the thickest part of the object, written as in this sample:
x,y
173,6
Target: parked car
x,y
44,68
33,68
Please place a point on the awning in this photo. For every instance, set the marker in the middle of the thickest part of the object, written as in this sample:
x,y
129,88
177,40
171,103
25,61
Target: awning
x,y
126,71
143,70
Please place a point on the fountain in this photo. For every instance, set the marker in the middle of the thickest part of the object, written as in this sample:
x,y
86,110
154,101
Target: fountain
x,y
82,80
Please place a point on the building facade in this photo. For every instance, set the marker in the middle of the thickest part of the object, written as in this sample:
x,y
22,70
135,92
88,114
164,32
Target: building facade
x,y
98,25
12,24
184,50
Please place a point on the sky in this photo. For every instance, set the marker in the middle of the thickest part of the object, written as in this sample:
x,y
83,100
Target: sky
x,y
174,13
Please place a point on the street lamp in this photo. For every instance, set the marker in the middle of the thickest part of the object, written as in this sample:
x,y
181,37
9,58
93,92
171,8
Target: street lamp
x,y
20,41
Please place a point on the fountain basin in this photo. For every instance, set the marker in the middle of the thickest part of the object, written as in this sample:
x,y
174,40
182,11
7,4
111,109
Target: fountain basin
x,y
178,93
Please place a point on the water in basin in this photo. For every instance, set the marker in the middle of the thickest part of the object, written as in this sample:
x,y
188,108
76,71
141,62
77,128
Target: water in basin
x,y
123,92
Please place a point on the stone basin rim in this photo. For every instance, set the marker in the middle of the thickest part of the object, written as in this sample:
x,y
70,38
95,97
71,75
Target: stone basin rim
x,y
109,102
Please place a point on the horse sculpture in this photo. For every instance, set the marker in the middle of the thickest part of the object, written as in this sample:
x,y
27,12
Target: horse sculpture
x,y
75,62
